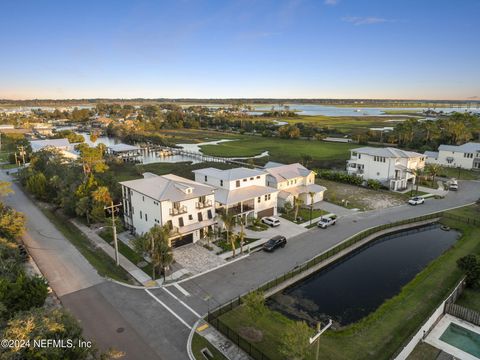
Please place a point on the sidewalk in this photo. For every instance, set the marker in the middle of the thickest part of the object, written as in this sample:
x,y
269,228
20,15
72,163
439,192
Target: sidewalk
x,y
126,264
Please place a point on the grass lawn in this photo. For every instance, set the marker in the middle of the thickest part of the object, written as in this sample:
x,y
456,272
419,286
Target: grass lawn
x,y
199,343
470,298
380,334
356,197
345,123
460,174
104,264
424,351
129,171
130,254
226,246
179,136
281,150
304,213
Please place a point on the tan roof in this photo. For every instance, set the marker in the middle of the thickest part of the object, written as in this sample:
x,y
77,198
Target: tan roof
x,y
168,188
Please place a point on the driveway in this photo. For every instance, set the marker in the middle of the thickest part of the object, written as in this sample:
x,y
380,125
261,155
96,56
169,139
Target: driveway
x,y
286,228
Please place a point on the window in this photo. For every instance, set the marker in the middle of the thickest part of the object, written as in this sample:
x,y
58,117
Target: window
x,y
190,217
251,178
221,182
259,199
180,221
176,205
200,216
146,217
143,198
244,180
258,176
156,220
209,214
170,224
266,197
237,184
359,156
141,216
206,178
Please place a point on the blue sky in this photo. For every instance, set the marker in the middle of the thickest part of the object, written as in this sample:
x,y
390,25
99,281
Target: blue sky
x,y
426,49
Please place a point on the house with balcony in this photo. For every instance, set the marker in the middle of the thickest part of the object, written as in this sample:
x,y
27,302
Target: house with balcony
x,y
394,168
64,146
293,181
185,206
466,156
240,191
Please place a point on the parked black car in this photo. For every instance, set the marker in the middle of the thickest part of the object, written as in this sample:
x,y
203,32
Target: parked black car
x,y
274,243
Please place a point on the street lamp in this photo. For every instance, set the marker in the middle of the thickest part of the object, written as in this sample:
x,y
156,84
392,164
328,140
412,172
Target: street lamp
x,y
317,335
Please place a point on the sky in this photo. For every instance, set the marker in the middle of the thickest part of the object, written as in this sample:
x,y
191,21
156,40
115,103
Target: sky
x,y
403,49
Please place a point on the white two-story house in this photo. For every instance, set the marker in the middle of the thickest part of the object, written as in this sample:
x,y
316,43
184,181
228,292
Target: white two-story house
x,y
466,156
393,167
240,191
185,206
293,181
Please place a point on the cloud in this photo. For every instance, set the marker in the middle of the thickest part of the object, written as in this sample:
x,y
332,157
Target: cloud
x,y
473,97
365,20
331,2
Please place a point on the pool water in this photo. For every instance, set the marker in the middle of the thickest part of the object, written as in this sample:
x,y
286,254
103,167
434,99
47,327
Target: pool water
x,y
462,339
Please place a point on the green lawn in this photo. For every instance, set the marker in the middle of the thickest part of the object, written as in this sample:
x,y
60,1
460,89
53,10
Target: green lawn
x,y
179,136
304,213
104,264
281,150
345,123
382,333
470,298
227,246
460,174
424,351
199,343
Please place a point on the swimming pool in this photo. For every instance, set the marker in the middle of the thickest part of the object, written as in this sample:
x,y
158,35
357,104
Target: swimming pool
x,y
463,339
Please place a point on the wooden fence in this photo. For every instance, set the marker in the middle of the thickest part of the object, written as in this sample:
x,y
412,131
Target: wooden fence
x,y
463,313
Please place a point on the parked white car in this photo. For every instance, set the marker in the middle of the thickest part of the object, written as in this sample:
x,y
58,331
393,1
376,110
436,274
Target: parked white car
x,y
325,222
417,200
271,221
453,184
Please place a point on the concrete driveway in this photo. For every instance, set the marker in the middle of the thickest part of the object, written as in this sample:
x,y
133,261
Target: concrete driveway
x,y
286,228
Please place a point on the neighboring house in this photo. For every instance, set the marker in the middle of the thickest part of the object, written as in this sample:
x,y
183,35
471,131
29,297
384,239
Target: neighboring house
x,y
392,167
466,156
293,181
240,191
185,206
62,145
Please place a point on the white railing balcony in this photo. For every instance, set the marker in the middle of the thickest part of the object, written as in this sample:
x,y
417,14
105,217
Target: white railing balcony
x,y
178,211
203,204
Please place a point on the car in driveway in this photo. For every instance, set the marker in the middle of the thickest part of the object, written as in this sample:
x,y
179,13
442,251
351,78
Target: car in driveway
x,y
274,243
326,221
416,200
453,185
271,221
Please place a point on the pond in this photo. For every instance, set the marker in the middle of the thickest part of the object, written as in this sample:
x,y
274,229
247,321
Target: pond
x,y
358,284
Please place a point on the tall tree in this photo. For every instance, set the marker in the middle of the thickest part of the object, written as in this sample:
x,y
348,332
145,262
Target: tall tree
x,y
295,340
156,245
229,221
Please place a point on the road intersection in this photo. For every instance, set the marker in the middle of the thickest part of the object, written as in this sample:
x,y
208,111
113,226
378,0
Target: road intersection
x,y
155,323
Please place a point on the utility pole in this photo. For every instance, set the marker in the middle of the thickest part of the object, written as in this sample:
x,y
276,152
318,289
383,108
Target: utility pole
x,y
112,209
317,352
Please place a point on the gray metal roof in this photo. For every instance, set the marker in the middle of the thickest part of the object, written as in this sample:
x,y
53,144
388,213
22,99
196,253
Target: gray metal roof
x,y
228,197
431,154
469,147
38,145
389,152
286,172
168,188
123,147
230,174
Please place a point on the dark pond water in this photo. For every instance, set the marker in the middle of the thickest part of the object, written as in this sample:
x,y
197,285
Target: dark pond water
x,y
358,284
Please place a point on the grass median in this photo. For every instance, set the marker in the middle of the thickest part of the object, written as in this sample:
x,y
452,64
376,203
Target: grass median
x,y
380,334
103,263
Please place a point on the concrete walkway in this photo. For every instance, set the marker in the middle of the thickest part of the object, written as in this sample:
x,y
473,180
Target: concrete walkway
x,y
126,264
220,342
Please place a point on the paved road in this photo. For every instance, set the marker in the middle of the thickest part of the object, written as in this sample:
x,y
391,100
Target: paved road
x,y
157,322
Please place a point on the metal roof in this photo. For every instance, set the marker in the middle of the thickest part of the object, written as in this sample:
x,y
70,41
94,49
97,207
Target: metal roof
x,y
469,147
230,174
286,172
387,152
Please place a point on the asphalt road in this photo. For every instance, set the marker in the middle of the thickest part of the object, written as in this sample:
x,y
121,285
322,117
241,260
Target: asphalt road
x,y
155,324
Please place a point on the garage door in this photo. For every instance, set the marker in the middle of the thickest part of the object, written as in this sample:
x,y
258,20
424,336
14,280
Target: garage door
x,y
266,212
184,240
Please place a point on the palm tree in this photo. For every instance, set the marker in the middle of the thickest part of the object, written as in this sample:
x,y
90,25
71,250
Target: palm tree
x,y
241,235
417,173
433,169
229,221
312,196
297,202
155,244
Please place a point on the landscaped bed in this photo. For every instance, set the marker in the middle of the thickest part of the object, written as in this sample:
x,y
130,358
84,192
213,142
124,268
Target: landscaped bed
x,y
383,332
303,214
